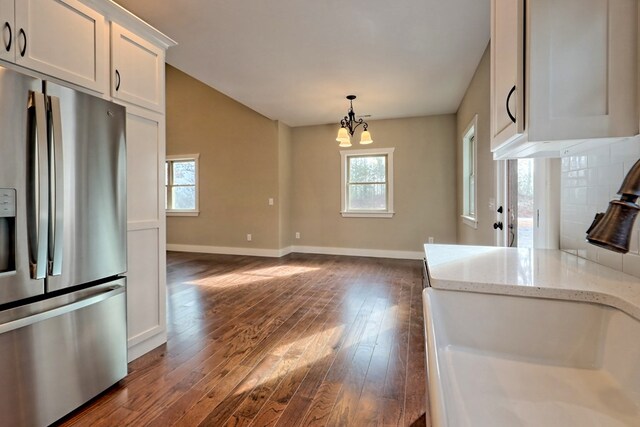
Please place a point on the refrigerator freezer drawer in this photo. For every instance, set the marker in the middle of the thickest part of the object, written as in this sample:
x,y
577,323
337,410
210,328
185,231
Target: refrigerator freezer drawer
x,y
61,353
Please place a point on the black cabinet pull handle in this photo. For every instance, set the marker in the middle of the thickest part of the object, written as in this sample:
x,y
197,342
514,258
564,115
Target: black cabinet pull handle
x,y
117,80
23,51
513,119
497,225
8,27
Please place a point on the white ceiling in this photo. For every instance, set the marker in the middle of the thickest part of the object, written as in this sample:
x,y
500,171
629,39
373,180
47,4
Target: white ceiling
x,y
296,60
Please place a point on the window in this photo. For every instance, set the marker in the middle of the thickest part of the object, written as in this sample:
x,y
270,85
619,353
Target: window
x,y
367,183
469,165
181,185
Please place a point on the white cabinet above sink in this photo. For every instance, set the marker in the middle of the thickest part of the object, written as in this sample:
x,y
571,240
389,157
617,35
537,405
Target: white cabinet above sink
x,y
562,72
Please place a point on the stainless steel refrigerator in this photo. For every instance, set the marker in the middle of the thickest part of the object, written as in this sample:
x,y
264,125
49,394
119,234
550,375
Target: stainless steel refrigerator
x,y
62,249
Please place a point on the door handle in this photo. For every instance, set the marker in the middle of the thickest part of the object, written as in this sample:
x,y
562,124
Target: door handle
x,y
23,51
497,225
38,177
101,295
8,45
511,116
117,80
56,188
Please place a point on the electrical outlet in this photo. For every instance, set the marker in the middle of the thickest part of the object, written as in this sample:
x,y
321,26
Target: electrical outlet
x,y
430,239
297,234
270,201
248,237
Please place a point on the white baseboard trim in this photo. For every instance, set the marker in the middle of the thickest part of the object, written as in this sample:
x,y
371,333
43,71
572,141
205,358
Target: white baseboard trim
x,y
277,253
374,253
221,250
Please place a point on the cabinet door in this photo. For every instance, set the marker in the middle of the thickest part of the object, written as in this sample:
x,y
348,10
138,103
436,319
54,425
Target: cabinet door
x,y
137,68
64,39
146,282
7,48
507,73
583,61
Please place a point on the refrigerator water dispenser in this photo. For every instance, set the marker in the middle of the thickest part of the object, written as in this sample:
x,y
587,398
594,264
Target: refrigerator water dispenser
x,y
7,230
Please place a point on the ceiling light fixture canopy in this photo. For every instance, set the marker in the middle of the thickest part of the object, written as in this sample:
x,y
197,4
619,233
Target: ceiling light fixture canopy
x,y
348,126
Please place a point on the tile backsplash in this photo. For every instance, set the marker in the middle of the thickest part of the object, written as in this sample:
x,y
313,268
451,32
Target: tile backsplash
x,y
589,180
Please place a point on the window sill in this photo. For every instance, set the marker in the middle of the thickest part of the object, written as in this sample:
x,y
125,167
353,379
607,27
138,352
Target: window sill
x,y
182,213
470,221
365,214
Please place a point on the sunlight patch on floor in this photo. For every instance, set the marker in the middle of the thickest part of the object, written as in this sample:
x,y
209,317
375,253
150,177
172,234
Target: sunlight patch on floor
x,y
310,356
321,345
251,276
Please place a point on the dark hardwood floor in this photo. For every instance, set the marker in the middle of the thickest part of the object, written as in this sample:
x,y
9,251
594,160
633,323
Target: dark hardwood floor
x,y
300,340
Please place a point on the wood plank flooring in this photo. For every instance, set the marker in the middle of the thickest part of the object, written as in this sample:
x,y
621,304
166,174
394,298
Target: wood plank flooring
x,y
305,340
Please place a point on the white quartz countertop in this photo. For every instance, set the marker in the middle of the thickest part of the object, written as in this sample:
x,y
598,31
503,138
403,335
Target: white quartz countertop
x,y
538,273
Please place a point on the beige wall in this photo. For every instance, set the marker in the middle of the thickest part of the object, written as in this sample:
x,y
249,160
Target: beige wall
x,y
424,185
476,101
239,158
246,158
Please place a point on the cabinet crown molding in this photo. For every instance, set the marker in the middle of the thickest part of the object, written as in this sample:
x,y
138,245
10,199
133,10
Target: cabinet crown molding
x,y
116,13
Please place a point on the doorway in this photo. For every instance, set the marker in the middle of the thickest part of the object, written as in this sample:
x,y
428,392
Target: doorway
x,y
531,203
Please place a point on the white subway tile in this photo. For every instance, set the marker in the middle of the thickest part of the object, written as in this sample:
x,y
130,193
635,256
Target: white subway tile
x,y
592,253
599,156
598,196
580,195
628,164
631,264
583,161
588,182
574,163
610,259
624,150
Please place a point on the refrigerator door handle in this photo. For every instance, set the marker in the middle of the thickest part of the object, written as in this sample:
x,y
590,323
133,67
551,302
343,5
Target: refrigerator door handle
x,y
38,182
56,188
99,296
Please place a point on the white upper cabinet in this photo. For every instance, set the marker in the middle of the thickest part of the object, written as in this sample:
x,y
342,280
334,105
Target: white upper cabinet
x,y
574,67
7,21
137,69
60,38
507,73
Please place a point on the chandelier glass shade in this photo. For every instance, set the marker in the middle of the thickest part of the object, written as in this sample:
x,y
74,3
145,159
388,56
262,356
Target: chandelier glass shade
x,y
348,126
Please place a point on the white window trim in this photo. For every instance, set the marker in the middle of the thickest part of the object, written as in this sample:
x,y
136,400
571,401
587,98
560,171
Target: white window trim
x,y
345,154
187,212
470,220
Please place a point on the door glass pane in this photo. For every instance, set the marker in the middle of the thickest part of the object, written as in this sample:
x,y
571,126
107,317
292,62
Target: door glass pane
x,y
184,173
367,197
525,222
183,197
368,169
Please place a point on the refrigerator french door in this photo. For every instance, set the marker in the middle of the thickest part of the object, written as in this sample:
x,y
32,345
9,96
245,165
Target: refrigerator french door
x,y
62,248
62,170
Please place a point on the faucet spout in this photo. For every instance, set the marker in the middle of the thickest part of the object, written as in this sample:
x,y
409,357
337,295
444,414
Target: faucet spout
x,y
612,230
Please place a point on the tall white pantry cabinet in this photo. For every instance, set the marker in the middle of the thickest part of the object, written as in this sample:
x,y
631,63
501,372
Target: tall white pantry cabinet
x,y
97,47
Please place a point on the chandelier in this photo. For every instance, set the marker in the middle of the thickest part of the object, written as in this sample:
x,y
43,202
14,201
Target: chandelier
x,y
348,126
